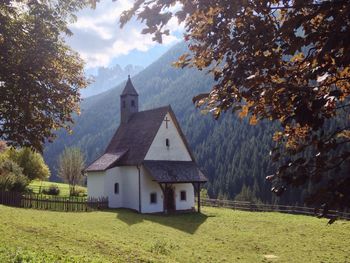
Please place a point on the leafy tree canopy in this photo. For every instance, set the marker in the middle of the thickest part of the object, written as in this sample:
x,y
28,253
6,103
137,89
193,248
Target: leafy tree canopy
x,y
11,176
40,76
285,61
31,162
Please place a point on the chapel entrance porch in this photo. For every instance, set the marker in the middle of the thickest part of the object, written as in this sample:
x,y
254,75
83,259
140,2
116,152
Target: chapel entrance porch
x,y
169,196
169,174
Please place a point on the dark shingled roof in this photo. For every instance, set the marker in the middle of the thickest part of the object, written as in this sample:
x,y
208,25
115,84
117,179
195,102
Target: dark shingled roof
x,y
129,88
132,140
137,135
105,161
174,171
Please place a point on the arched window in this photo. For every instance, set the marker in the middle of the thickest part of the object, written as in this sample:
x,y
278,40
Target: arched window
x,y
167,142
132,103
116,188
124,104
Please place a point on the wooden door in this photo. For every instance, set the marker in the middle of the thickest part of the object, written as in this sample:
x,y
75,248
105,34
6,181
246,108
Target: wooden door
x,y
170,199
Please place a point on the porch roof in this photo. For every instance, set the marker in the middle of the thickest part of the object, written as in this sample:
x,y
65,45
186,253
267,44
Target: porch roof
x,y
105,161
174,171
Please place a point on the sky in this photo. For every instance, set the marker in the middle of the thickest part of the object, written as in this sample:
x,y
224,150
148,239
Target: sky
x,y
102,43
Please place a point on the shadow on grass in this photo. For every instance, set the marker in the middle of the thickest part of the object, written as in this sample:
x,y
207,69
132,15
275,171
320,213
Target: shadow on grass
x,y
187,222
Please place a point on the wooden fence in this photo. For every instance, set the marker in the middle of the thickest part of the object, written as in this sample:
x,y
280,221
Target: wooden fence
x,y
38,201
248,206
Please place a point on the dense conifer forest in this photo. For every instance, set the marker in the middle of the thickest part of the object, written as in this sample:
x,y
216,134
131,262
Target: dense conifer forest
x,y
233,154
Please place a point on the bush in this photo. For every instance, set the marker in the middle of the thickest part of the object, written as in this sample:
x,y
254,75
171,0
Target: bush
x,y
32,163
78,192
11,177
52,190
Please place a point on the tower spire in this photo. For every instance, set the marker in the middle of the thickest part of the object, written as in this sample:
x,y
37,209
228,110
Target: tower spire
x,y
129,101
129,88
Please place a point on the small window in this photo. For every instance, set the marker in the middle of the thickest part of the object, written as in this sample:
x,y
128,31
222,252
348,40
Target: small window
x,y
183,195
132,103
167,142
153,198
116,188
124,104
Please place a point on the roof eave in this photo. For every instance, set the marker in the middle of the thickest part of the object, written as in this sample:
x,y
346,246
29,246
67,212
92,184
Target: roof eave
x,y
181,182
93,171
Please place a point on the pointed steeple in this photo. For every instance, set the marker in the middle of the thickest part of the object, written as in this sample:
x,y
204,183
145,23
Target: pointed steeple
x,y
129,101
129,88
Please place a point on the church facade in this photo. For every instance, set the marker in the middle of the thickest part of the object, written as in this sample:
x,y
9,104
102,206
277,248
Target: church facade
x,y
148,165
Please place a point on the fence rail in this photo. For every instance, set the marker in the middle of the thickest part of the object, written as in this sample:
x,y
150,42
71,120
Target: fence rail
x,y
38,201
248,206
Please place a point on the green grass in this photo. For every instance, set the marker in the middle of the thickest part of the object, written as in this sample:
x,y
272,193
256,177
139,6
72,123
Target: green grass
x,y
64,188
217,235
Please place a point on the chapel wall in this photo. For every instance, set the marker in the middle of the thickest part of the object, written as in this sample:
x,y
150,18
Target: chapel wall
x,y
113,176
189,202
130,187
176,151
148,187
95,184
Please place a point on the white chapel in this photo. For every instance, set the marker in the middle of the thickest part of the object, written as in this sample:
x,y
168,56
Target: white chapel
x,y
148,165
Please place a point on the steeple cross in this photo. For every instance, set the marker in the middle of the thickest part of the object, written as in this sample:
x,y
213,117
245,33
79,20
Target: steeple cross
x,y
166,122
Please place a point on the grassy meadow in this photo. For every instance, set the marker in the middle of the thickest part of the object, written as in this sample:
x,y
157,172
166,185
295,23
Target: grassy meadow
x,y
217,235
64,188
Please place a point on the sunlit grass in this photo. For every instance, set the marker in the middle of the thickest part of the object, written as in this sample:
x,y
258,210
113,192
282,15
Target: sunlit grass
x,y
217,235
64,188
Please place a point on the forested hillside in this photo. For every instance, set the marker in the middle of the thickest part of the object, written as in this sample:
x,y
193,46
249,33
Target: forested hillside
x,y
233,154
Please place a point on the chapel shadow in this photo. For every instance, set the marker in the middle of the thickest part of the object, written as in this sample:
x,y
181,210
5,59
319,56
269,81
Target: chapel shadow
x,y
186,222
128,216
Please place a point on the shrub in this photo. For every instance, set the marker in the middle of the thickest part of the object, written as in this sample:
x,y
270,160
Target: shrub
x,y
11,177
32,163
52,190
204,193
78,192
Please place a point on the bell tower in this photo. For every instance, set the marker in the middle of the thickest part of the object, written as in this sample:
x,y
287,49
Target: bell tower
x,y
129,101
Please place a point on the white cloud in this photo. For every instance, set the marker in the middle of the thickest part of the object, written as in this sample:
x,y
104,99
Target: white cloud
x,y
99,39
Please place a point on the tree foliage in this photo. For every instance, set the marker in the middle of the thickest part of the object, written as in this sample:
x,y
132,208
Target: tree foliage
x,y
11,176
285,61
31,162
71,165
40,76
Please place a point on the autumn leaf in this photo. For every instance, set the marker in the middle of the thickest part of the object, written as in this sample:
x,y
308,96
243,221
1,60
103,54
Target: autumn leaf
x,y
244,112
253,120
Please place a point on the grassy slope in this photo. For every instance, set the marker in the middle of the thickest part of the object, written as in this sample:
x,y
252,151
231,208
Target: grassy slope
x,y
64,188
219,235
